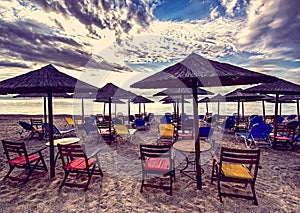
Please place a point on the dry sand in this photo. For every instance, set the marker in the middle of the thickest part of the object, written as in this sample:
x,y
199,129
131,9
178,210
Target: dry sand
x,y
277,185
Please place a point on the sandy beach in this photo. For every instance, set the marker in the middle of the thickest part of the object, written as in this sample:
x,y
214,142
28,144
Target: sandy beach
x,y
277,185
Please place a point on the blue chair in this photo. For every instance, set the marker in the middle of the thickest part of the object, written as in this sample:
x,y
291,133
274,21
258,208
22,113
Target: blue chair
x,y
140,124
291,117
56,131
259,134
280,119
255,120
166,119
229,123
205,132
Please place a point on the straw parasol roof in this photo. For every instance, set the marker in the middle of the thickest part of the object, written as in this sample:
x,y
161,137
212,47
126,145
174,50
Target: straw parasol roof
x,y
45,80
207,72
182,91
110,90
42,80
141,99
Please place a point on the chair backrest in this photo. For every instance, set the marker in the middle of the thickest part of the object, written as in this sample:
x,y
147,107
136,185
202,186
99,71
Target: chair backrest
x,y
205,131
166,130
291,117
47,128
70,121
260,131
155,151
117,121
256,120
166,119
247,157
139,122
229,122
26,125
71,151
280,119
37,123
121,129
13,149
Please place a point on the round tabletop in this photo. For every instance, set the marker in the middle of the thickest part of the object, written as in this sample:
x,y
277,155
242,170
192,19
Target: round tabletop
x,y
189,146
64,141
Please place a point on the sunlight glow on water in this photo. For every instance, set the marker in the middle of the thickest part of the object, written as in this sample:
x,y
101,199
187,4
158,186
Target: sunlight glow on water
x,y
74,107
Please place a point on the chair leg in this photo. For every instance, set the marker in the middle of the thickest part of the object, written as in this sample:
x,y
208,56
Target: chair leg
x,y
11,168
213,171
43,162
143,181
254,195
90,174
219,191
64,180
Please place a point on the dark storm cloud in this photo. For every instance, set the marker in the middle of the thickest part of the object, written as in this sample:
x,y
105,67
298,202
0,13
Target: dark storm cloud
x,y
12,64
101,14
33,42
278,26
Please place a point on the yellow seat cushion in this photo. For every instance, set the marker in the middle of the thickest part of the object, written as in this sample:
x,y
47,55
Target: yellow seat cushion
x,y
236,171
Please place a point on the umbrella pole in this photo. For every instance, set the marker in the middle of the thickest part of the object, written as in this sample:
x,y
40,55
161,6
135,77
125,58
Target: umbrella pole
x,y
196,131
82,109
238,113
298,112
45,109
51,139
206,108
182,111
144,109
218,108
109,126
275,118
128,111
243,111
264,110
139,108
115,110
280,108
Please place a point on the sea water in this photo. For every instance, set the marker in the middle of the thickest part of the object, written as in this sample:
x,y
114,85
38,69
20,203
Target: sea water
x,y
35,106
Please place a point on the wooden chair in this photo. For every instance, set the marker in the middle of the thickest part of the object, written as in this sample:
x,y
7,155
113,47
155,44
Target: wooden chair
x,y
157,160
17,157
74,160
236,166
285,134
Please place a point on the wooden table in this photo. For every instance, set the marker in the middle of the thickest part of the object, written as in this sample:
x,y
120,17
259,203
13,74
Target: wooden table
x,y
186,147
63,141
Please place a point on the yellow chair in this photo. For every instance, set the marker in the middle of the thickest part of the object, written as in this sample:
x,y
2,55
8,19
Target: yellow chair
x,y
237,166
123,134
70,121
166,134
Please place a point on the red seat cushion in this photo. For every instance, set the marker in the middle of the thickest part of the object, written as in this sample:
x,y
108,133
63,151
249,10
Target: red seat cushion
x,y
79,164
20,160
283,138
159,164
185,135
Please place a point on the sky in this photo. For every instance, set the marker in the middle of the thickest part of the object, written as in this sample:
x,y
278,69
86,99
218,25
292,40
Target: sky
x,y
124,41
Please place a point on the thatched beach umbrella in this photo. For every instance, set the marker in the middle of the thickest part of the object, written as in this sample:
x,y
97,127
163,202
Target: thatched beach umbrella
x,y
141,99
45,80
184,92
239,96
279,87
295,98
196,71
111,91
